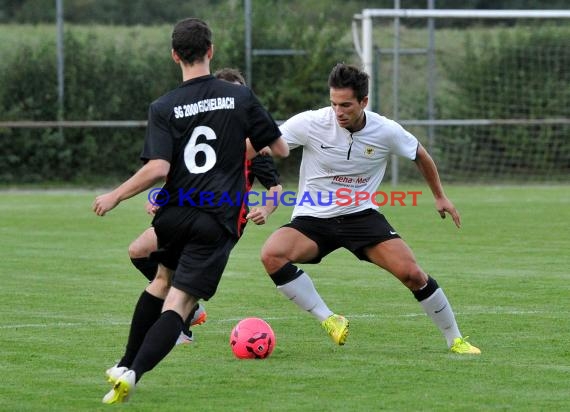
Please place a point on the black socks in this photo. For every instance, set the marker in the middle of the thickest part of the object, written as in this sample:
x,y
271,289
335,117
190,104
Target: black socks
x,y
147,267
146,313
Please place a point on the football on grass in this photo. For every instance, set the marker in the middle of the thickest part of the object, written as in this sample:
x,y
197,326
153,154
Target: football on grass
x,y
252,338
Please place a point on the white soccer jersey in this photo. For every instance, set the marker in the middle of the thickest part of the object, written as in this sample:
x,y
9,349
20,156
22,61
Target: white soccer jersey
x,y
339,167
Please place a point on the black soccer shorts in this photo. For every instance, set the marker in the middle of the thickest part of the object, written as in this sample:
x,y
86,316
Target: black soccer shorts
x,y
195,245
354,232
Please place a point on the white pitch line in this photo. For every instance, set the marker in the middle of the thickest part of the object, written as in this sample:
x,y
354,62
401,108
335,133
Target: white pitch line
x,y
274,318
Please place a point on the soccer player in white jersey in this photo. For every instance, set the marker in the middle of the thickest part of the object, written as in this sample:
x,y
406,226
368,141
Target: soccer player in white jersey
x,y
346,147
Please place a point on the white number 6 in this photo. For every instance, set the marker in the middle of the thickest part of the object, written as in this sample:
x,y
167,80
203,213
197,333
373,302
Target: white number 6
x,y
192,149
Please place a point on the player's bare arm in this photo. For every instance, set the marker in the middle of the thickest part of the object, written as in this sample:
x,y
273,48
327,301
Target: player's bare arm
x,y
145,177
279,147
428,169
250,152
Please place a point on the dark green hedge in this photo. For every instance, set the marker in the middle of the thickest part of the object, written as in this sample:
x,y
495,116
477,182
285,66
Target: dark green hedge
x,y
111,79
103,82
108,78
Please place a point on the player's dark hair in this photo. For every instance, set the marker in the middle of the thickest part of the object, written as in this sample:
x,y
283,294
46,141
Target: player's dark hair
x,y
345,76
230,75
191,39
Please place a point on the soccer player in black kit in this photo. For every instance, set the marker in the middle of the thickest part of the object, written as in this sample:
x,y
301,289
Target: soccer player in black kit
x,y
261,168
196,139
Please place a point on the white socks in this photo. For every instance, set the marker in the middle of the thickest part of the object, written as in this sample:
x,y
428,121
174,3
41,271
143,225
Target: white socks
x,y
437,307
302,291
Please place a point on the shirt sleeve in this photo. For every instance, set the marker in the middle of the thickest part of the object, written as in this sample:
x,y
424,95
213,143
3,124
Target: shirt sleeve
x,y
263,169
158,140
262,130
295,129
404,143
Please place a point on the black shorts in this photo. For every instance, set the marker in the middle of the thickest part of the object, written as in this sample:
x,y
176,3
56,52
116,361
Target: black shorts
x,y
354,232
195,245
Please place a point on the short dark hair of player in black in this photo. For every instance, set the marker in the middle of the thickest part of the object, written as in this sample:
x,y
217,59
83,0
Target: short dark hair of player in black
x,y
191,39
230,75
345,76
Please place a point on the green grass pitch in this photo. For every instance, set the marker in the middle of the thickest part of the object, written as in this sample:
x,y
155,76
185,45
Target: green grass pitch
x,y
68,289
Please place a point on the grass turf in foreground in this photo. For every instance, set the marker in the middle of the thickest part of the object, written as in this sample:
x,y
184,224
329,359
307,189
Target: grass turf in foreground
x,y
68,290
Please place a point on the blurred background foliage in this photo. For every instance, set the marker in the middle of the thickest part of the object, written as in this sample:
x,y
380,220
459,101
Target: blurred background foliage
x,y
145,12
117,60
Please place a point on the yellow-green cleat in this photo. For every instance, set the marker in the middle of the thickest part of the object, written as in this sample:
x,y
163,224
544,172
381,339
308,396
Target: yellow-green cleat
x,y
461,346
337,328
122,389
114,373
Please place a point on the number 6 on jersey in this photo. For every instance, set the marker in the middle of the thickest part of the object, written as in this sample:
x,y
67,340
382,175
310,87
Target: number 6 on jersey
x,y
192,149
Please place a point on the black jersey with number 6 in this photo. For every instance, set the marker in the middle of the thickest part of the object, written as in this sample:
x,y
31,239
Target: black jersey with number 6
x,y
200,128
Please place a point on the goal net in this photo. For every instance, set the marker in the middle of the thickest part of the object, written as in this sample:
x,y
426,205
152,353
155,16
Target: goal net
x,y
487,92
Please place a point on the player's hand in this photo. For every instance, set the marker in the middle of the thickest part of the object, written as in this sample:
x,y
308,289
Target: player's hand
x,y
151,208
266,151
105,203
258,215
443,206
